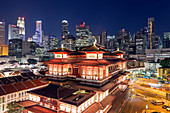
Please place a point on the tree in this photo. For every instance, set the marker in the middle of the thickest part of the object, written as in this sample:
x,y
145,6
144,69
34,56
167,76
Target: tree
x,y
14,108
165,63
32,61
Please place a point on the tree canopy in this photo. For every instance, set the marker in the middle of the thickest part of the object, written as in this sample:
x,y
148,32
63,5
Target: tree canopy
x,y
14,108
165,63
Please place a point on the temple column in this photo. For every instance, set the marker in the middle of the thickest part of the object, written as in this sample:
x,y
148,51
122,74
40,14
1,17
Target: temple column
x,y
85,71
57,69
93,72
98,73
80,72
62,70
53,69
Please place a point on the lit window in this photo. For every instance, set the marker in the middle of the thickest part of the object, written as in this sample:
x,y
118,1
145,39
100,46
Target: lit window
x,y
64,55
58,55
100,56
91,56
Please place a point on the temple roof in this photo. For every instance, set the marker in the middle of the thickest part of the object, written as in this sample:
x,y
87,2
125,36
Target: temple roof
x,y
118,52
94,47
95,62
54,91
62,49
77,53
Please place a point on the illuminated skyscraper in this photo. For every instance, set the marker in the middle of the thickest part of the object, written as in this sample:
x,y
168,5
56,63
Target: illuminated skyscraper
x,y
21,25
37,37
151,32
65,29
2,33
13,32
82,35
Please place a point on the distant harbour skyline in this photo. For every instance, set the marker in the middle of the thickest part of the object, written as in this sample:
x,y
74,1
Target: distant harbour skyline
x,y
111,16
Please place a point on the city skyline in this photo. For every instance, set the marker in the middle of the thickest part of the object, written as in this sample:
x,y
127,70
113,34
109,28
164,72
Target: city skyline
x,y
111,16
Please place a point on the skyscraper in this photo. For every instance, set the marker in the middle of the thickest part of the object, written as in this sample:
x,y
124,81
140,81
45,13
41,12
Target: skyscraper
x,y
2,33
82,35
140,38
166,40
82,31
98,38
103,38
37,37
65,29
151,32
39,31
21,25
13,32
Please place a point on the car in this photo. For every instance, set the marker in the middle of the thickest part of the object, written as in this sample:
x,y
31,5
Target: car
x,y
157,102
168,108
164,106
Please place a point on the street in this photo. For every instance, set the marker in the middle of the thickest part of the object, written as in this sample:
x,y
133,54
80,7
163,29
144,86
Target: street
x,y
136,104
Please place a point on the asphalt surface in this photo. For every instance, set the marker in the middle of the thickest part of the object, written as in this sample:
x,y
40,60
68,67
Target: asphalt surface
x,y
137,103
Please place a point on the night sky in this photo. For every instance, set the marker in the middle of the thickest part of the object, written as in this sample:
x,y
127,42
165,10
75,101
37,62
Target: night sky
x,y
110,15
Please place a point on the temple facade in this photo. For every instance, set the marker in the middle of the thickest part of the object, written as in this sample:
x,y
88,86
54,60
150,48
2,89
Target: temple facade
x,y
88,63
81,81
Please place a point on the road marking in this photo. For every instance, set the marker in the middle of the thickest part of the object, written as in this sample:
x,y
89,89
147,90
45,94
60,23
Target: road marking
x,y
132,108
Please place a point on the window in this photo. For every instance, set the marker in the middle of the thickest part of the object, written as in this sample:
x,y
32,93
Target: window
x,y
22,94
19,94
12,96
8,98
3,107
95,97
3,99
64,55
89,72
91,56
15,95
69,69
58,55
101,72
100,56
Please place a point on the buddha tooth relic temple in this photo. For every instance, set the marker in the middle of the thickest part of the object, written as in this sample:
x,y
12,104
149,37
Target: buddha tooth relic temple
x,y
87,80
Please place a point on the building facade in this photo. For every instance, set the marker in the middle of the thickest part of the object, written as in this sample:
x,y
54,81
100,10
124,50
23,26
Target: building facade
x,y
21,25
123,40
151,32
166,40
65,29
103,38
2,33
37,37
92,66
82,35
13,32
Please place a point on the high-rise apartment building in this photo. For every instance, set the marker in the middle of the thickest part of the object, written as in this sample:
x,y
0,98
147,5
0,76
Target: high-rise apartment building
x,y
13,32
151,32
21,25
65,29
2,33
166,40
